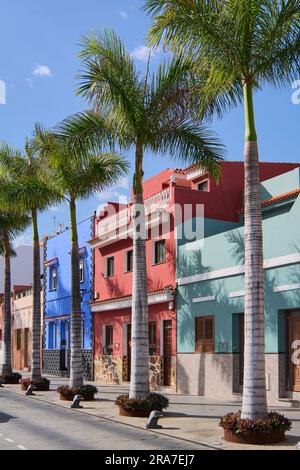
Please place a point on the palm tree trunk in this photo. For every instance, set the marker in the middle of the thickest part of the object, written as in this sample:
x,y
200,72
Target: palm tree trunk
x,y
76,376
6,367
254,393
139,380
36,315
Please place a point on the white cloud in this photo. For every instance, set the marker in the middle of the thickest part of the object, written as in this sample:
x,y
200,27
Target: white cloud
x,y
123,183
112,196
29,82
42,71
142,53
123,14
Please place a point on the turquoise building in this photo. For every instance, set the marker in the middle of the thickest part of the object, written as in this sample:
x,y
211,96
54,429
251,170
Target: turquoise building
x,y
210,301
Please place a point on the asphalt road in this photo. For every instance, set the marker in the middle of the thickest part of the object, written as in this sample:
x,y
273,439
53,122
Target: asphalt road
x,y
29,424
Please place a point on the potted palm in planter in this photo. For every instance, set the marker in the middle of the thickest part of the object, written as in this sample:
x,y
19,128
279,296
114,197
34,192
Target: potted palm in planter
x,y
87,392
141,407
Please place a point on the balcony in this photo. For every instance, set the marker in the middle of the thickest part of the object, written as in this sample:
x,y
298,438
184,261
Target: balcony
x,y
119,226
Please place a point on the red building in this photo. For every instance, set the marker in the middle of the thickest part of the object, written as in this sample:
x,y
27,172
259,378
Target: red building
x,y
165,194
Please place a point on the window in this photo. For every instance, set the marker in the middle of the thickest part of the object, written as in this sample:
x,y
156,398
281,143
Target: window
x,y
129,261
53,278
109,344
204,334
152,338
159,251
19,339
110,266
203,186
81,268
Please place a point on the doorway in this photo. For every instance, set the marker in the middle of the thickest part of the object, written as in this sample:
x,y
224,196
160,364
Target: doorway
x,y
128,372
294,359
26,347
167,352
64,345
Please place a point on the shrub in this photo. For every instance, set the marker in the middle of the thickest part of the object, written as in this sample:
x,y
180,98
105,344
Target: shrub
x,y
12,378
42,384
234,423
154,401
86,391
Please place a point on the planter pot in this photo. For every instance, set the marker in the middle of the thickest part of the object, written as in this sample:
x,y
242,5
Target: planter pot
x,y
256,437
70,397
39,388
134,413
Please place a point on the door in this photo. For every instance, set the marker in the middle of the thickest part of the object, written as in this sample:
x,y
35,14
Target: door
x,y
294,336
241,348
128,351
63,345
26,347
167,351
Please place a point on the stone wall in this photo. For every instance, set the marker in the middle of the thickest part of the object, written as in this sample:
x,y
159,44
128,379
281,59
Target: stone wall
x,y
108,369
113,370
217,376
209,375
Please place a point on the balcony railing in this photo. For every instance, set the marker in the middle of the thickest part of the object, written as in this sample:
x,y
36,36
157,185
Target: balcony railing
x,y
116,225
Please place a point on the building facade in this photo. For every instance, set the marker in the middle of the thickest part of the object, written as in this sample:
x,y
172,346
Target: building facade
x,y
22,309
57,300
174,200
210,301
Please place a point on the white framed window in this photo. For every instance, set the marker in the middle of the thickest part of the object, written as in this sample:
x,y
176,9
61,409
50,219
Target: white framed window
x,y
81,269
203,186
159,251
109,266
128,261
53,278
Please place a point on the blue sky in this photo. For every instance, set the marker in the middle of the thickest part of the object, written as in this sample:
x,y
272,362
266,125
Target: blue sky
x,y
38,63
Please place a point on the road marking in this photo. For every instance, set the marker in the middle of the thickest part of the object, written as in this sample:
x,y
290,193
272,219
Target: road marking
x,y
22,447
9,440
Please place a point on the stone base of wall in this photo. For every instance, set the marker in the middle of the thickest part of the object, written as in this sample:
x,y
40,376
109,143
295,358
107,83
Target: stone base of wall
x,y
113,370
108,369
53,363
217,376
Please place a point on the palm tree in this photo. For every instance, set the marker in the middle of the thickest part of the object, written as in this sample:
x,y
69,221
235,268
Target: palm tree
x,y
77,174
141,113
26,185
241,45
11,225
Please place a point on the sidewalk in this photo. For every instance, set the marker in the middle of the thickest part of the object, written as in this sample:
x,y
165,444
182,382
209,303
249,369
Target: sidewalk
x,y
191,418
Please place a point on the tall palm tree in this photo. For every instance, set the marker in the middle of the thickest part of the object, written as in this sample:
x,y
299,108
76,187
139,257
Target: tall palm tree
x,y
241,45
11,225
142,113
26,184
77,174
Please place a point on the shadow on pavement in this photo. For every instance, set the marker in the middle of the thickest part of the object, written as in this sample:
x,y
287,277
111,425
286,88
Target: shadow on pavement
x,y
4,418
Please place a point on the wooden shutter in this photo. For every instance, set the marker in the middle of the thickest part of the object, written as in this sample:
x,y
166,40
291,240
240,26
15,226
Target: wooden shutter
x,y
204,334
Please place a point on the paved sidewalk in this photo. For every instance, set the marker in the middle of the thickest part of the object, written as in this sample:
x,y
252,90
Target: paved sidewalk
x,y
190,418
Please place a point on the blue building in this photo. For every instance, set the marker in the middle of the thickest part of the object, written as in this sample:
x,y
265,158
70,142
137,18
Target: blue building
x,y
57,300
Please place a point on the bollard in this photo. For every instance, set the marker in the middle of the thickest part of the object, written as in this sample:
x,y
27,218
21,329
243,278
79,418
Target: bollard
x,y
76,401
29,391
153,419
